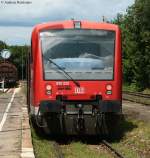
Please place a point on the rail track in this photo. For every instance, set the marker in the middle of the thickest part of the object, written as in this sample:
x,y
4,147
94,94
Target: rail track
x,y
138,94
113,151
137,97
58,152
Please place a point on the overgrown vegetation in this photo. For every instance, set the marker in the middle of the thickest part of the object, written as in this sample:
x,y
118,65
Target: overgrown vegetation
x,y
135,143
135,27
132,88
18,57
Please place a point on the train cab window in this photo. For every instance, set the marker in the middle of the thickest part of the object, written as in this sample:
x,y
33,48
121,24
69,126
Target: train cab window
x,y
84,54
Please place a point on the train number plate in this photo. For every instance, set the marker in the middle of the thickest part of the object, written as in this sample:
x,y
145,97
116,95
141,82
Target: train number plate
x,y
79,90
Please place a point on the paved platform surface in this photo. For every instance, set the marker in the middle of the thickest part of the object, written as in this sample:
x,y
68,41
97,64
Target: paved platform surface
x,y
15,136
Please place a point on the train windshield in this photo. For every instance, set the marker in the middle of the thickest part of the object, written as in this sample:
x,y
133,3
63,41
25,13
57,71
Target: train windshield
x,y
83,54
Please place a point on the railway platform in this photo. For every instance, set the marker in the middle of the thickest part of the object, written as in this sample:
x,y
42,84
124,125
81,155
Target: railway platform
x,y
15,135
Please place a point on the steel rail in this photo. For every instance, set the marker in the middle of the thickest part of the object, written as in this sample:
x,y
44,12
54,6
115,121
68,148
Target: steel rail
x,y
111,149
137,94
136,100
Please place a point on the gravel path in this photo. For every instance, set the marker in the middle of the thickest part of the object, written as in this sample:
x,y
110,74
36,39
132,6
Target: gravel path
x,y
136,110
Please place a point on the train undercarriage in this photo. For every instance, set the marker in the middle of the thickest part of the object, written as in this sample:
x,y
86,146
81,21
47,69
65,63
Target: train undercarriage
x,y
78,118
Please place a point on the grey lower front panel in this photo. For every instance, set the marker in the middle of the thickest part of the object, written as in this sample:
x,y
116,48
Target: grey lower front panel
x,y
62,124
72,119
102,106
110,106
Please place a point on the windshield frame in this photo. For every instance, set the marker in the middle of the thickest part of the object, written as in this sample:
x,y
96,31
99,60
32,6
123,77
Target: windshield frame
x,y
67,79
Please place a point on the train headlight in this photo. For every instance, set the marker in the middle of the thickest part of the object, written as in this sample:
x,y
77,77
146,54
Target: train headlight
x,y
48,89
109,89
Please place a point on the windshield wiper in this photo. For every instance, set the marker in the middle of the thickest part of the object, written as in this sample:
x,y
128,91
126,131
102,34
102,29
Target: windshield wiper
x,y
62,70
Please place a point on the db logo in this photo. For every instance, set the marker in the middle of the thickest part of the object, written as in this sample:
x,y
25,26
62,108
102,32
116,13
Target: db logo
x,y
79,90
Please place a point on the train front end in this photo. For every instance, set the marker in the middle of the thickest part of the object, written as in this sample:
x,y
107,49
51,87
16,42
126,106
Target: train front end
x,y
76,76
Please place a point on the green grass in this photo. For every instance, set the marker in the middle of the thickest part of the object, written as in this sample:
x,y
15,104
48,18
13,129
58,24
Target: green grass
x,y
130,88
133,88
146,91
81,150
42,147
135,143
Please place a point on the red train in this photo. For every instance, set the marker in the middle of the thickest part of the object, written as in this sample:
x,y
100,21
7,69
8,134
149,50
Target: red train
x,y
75,76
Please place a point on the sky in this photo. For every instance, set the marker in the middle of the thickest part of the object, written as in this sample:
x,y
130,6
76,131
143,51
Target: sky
x,y
17,17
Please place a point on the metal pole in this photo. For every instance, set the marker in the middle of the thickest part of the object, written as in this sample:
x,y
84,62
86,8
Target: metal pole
x,y
3,85
103,18
22,63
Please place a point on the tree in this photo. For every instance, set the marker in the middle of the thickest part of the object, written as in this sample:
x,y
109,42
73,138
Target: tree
x,y
19,58
2,45
135,27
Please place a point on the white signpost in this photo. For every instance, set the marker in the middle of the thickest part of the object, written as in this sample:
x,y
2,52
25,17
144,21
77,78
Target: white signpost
x,y
5,54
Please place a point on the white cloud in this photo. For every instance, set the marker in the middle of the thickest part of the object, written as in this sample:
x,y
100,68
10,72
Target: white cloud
x,y
49,10
15,35
39,11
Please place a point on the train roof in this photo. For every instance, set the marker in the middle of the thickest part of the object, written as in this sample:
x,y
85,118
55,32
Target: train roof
x,y
69,24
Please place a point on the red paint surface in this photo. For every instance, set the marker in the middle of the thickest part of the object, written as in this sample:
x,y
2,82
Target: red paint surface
x,y
92,88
